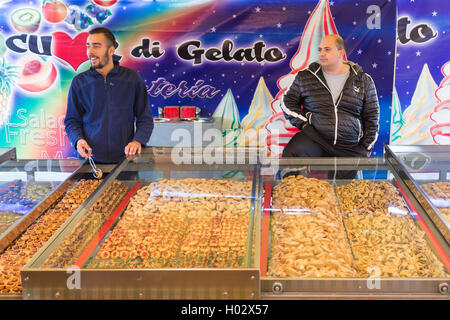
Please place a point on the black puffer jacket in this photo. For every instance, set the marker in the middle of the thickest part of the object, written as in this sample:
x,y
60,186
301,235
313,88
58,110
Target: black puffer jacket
x,y
353,120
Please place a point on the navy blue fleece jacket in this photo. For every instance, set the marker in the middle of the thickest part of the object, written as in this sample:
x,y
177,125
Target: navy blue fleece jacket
x,y
103,112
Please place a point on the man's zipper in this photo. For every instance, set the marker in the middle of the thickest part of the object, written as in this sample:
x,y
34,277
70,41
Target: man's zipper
x,y
334,104
106,117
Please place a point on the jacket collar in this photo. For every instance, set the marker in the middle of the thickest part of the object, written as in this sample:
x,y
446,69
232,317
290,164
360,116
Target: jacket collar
x,y
315,67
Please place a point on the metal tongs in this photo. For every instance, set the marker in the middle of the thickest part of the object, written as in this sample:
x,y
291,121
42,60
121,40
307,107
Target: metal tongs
x,y
98,173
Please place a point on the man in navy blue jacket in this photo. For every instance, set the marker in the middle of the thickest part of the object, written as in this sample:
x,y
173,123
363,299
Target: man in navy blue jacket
x,y
104,103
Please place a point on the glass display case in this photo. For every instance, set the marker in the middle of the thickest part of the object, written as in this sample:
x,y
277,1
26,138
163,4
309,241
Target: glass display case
x,y
347,228
7,154
426,171
183,223
36,198
165,225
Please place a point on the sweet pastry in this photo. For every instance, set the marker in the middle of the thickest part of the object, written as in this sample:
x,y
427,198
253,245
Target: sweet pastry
x,y
24,247
298,194
366,196
309,245
439,195
7,219
77,240
185,223
19,197
394,245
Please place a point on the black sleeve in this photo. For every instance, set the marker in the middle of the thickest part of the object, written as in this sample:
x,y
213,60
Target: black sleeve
x,y
370,114
291,103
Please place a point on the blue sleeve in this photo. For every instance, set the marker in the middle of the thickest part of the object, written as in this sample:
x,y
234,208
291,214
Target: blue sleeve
x,y
74,117
143,113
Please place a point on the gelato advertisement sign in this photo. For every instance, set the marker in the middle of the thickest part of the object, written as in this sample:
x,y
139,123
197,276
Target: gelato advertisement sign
x,y
230,59
421,100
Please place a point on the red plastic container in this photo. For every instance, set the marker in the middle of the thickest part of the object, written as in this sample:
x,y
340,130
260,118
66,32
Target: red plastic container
x,y
187,112
171,112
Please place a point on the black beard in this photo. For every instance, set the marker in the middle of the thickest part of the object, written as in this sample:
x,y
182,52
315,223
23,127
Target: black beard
x,y
101,65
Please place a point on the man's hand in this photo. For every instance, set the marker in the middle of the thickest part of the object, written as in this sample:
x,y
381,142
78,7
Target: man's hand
x,y
83,148
132,148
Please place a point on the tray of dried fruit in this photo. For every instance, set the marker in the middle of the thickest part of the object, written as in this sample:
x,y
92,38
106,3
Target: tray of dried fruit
x,y
36,198
171,231
345,228
426,172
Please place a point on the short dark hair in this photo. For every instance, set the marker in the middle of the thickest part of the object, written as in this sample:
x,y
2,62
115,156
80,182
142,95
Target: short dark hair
x,y
340,44
108,34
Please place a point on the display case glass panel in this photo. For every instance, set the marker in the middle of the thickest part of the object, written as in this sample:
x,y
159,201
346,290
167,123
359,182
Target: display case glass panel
x,y
333,223
193,220
426,169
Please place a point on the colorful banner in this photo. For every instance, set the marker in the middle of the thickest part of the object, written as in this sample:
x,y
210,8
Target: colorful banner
x,y
230,58
421,101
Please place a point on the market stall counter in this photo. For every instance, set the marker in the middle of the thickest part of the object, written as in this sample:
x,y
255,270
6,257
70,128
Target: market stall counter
x,y
36,198
165,226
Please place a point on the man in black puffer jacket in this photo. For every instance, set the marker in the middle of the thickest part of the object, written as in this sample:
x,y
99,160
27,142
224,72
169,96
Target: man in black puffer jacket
x,y
335,105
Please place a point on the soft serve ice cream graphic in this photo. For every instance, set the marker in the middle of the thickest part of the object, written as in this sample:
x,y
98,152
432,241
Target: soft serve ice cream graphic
x,y
440,115
227,119
253,124
417,120
320,24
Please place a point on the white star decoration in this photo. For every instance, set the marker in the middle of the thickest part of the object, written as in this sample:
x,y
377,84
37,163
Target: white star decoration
x,y
213,29
278,25
418,53
359,51
258,9
389,53
434,13
331,3
354,23
374,65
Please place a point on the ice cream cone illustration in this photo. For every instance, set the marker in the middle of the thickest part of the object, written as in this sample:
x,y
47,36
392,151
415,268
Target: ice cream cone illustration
x,y
319,24
417,126
8,74
254,133
227,119
397,121
440,131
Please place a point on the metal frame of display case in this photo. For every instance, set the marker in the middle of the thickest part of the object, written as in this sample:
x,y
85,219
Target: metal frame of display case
x,y
351,288
7,154
150,283
444,168
21,225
